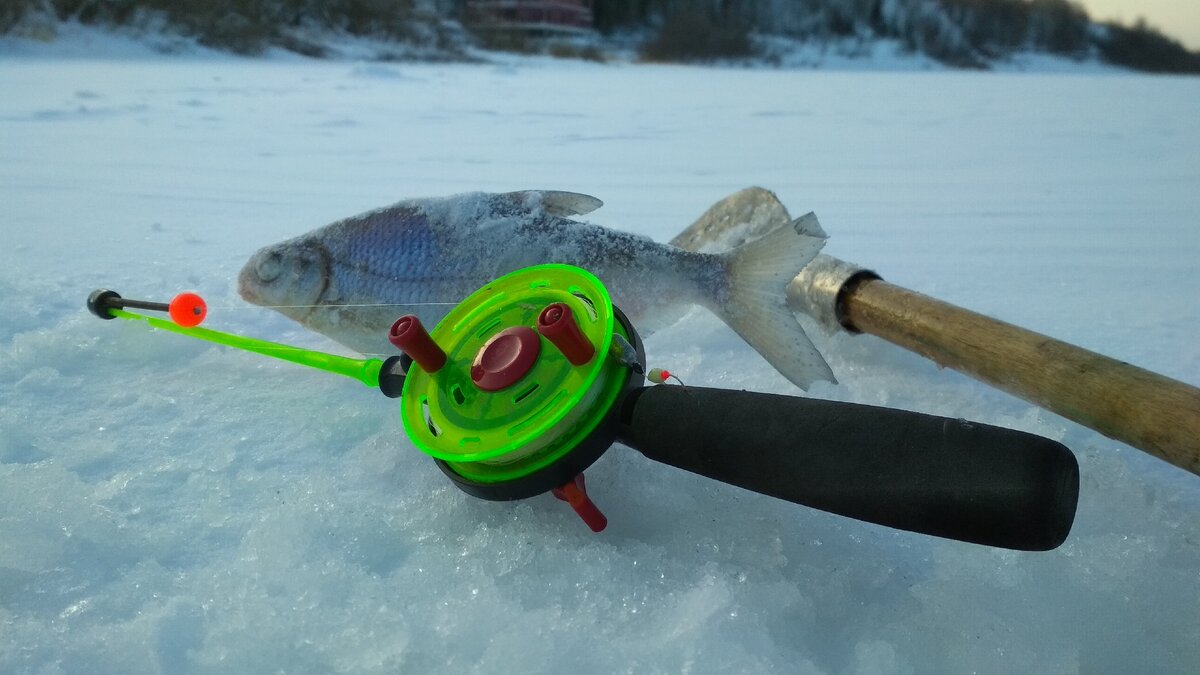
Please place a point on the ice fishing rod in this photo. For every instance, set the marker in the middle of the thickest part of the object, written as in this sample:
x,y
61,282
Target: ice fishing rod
x,y
530,379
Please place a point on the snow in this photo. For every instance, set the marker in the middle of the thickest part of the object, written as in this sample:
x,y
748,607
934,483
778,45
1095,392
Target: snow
x,y
171,506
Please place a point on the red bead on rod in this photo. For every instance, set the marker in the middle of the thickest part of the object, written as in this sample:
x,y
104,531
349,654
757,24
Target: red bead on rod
x,y
408,335
557,323
187,309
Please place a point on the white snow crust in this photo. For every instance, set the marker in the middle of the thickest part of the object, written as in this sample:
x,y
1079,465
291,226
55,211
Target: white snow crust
x,y
169,506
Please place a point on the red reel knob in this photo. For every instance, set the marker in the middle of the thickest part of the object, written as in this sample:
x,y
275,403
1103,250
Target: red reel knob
x,y
505,358
409,336
557,323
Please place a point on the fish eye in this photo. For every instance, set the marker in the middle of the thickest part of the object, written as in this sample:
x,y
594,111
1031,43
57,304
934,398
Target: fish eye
x,y
269,268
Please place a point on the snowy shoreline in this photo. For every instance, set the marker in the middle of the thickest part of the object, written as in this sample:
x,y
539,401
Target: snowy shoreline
x,y
76,41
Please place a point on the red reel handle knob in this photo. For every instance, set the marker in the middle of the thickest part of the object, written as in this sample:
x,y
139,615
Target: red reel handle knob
x,y
557,323
409,336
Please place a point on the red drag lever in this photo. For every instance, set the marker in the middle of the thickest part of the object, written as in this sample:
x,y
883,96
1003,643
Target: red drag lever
x,y
575,494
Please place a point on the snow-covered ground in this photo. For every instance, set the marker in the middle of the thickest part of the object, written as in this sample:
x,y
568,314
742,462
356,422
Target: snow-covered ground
x,y
170,506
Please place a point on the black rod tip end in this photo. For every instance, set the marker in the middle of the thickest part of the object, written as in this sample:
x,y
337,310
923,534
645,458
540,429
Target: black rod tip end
x,y
100,301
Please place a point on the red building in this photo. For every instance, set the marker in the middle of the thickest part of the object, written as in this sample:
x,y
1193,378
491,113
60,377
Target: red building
x,y
531,16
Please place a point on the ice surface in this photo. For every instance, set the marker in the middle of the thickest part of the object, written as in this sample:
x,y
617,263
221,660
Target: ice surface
x,y
169,506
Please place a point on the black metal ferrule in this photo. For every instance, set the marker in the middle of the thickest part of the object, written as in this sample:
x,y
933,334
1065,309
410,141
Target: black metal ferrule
x,y
391,376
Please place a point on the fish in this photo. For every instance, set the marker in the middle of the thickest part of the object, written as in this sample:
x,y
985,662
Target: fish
x,y
346,280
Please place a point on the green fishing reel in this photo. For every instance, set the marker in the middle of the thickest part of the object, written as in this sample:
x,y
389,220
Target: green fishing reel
x,y
513,391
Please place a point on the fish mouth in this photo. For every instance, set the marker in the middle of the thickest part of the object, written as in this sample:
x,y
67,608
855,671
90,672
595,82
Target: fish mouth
x,y
247,279
277,290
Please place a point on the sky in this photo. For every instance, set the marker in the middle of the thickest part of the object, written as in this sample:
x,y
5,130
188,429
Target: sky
x,y
1179,19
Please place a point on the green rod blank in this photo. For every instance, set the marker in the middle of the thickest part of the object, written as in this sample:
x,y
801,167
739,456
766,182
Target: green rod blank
x,y
363,370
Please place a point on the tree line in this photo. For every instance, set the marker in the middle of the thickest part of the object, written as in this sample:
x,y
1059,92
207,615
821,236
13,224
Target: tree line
x,y
964,33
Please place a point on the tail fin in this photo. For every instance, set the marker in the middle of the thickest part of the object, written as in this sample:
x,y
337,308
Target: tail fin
x,y
756,304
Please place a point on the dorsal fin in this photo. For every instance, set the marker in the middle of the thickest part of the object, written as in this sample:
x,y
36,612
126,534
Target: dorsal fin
x,y
458,215
565,204
553,202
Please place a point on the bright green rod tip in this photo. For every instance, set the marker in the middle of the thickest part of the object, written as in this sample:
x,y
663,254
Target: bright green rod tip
x,y
363,370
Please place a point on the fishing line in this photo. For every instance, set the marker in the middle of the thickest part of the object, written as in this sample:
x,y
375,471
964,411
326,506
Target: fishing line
x,y
365,304
371,304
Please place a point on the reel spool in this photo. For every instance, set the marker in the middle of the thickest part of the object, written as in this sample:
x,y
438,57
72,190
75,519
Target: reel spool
x,y
513,392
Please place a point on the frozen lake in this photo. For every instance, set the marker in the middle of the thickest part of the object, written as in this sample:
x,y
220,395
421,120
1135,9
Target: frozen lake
x,y
168,506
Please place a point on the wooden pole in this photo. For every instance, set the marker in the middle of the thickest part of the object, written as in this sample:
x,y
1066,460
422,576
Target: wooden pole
x,y
1148,411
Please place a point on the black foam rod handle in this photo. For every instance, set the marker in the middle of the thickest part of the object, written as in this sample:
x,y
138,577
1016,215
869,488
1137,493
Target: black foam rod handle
x,y
936,475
